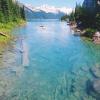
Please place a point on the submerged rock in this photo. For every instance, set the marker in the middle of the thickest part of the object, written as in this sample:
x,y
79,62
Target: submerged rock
x,y
95,72
85,69
96,85
93,88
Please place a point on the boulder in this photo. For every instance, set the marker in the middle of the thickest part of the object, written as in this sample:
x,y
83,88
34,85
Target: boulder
x,y
93,88
85,69
95,72
96,85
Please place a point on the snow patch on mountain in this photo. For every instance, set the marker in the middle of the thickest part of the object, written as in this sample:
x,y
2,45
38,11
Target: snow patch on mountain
x,y
50,9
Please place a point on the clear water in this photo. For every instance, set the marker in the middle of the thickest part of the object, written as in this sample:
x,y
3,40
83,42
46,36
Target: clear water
x,y
47,63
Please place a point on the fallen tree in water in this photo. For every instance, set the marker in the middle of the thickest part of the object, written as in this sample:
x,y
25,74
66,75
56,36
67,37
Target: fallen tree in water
x,y
3,34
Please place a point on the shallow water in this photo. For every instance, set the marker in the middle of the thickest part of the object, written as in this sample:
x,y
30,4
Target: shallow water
x,y
47,63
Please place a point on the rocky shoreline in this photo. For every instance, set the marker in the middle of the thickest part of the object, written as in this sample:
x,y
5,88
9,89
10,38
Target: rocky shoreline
x,y
78,32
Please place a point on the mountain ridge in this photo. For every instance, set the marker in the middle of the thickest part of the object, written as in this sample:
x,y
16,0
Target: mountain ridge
x,y
47,12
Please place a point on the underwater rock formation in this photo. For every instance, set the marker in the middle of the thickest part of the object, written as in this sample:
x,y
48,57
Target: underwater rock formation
x,y
93,88
95,71
96,85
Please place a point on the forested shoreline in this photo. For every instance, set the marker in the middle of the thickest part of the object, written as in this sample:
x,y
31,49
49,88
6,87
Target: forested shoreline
x,y
11,14
10,10
85,18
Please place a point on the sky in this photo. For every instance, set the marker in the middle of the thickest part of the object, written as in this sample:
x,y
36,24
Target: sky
x,y
56,3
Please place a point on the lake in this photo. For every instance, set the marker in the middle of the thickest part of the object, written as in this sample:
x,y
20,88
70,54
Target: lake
x,y
47,62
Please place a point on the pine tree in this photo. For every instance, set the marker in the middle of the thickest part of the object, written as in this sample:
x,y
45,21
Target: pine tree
x,y
22,12
10,11
98,21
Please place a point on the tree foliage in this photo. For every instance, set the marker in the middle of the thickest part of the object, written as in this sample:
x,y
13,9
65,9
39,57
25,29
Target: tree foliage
x,y
84,16
87,18
72,17
64,18
98,17
98,21
10,10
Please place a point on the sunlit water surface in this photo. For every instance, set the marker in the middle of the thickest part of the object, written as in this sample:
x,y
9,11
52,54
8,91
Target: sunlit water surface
x,y
47,63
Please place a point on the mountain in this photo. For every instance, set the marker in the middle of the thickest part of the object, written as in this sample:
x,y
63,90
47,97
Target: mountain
x,y
46,12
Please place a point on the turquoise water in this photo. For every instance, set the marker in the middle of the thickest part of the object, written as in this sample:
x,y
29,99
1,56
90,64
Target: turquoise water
x,y
47,63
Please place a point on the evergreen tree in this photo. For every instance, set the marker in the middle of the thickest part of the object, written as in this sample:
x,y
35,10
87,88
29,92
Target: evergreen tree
x,y
98,21
22,12
10,11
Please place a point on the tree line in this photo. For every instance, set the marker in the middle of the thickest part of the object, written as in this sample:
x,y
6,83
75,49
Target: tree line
x,y
10,10
86,18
